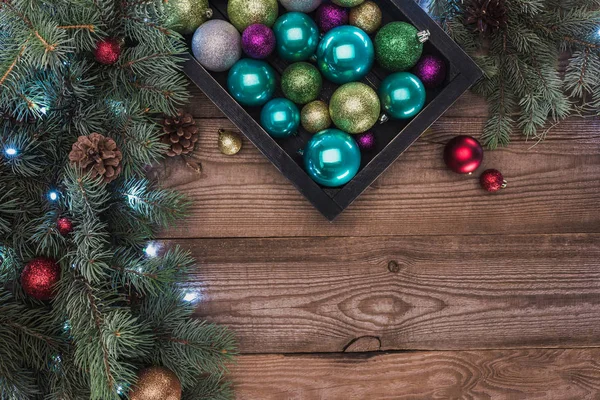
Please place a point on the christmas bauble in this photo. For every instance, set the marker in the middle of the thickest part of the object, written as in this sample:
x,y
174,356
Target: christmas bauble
x,y
64,226
297,36
431,70
184,16
348,3
366,16
492,180
39,277
366,141
107,51
230,143
315,116
330,15
345,54
156,383
402,95
217,45
331,158
301,82
280,118
463,154
354,107
243,13
251,82
258,41
399,45
304,6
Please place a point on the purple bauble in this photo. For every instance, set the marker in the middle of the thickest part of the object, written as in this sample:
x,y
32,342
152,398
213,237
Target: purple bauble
x,y
258,41
366,141
330,15
431,70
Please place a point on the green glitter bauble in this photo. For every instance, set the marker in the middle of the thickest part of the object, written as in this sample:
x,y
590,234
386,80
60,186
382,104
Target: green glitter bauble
x,y
397,46
366,16
301,82
347,3
354,107
243,13
184,16
315,116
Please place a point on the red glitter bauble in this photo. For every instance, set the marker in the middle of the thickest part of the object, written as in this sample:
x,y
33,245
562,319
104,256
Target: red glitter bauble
x,y
492,180
64,226
463,154
107,51
39,277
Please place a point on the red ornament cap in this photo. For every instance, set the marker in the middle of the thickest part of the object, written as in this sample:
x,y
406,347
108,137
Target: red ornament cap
x,y
107,51
463,154
492,180
64,226
39,277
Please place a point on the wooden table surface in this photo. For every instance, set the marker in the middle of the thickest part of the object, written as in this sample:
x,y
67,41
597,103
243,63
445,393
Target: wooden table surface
x,y
426,287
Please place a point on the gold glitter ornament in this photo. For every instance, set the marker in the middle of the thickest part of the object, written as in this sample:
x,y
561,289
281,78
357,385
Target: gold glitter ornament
x,y
315,116
243,13
156,383
230,143
354,107
184,16
366,16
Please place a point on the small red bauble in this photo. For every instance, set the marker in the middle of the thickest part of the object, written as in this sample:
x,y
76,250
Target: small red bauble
x,y
64,226
463,154
107,51
492,180
39,277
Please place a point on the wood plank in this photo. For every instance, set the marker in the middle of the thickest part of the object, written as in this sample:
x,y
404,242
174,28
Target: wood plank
x,y
554,187
388,293
500,375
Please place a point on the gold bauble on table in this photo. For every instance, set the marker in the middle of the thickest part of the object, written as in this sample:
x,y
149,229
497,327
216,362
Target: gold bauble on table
x,y
156,383
184,16
366,16
354,107
315,116
229,142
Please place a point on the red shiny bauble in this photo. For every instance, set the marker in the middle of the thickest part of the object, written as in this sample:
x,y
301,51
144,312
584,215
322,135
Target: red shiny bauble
x,y
492,180
64,226
107,51
39,277
463,154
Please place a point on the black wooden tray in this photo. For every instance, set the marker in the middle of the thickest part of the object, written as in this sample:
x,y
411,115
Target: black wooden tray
x,y
393,137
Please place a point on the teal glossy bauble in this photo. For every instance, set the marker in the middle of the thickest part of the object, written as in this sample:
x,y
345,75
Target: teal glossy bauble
x,y
280,118
251,82
345,54
332,158
402,95
297,36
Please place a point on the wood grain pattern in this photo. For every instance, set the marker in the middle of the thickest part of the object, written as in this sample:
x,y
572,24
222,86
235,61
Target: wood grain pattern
x,y
499,375
554,187
420,292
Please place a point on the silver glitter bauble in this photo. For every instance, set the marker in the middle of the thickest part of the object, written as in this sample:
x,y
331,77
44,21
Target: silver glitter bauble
x,y
304,6
217,45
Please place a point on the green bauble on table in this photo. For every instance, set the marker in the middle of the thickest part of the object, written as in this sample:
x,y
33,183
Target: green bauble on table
x,y
402,95
301,82
243,13
184,16
251,82
280,118
354,107
297,36
399,45
332,158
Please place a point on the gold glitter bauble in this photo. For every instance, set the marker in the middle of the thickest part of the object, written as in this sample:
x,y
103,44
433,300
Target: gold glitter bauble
x,y
243,13
366,16
315,116
184,16
354,107
156,383
229,142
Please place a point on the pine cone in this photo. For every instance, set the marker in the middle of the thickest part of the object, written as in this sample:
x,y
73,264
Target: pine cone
x,y
181,133
487,15
97,154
